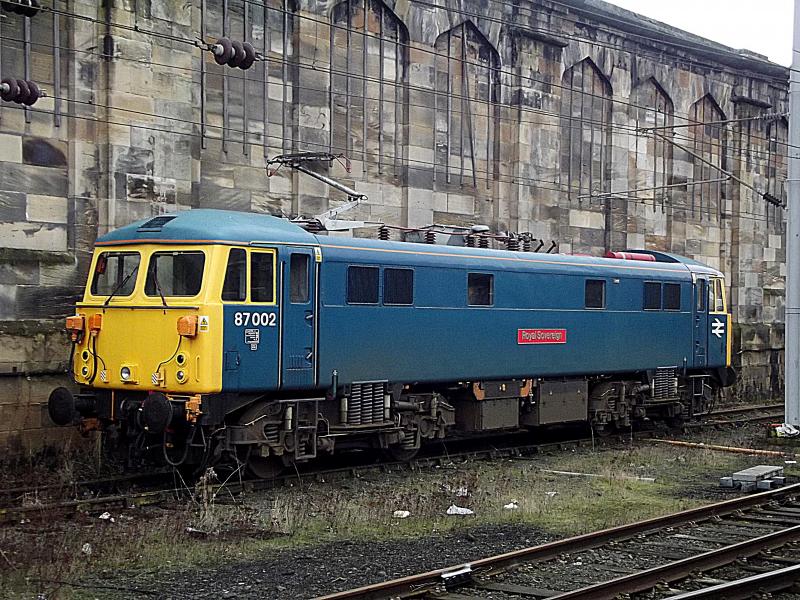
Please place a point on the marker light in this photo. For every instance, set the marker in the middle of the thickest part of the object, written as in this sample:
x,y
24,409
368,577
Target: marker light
x,y
187,326
125,373
181,376
95,323
74,325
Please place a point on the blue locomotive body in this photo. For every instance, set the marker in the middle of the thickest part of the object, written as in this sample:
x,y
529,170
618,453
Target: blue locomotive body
x,y
314,342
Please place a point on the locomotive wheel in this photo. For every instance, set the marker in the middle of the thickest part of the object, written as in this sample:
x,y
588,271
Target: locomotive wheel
x,y
265,468
604,430
262,467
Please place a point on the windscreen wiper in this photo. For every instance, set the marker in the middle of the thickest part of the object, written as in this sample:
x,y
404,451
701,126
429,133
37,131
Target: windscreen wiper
x,y
158,285
120,285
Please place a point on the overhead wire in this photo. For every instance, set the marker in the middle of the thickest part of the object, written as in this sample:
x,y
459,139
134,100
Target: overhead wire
x,y
201,45
512,179
626,129
432,51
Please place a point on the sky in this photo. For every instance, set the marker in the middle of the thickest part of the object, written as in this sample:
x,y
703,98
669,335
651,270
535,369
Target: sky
x,y
763,26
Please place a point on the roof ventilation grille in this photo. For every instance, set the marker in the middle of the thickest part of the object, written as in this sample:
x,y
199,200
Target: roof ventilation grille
x,y
156,223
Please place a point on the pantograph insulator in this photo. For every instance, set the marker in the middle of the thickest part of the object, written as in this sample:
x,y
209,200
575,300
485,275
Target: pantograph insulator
x,y
469,240
430,237
483,241
384,233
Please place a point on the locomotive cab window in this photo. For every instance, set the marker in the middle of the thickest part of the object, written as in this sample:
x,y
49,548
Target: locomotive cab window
x,y
362,285
175,273
115,273
595,293
235,287
716,296
672,296
701,295
298,278
262,277
652,295
398,286
480,289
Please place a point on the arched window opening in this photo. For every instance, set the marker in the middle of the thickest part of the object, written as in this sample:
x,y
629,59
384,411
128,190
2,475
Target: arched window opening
x,y
585,131
707,143
777,134
368,49
467,90
651,107
256,104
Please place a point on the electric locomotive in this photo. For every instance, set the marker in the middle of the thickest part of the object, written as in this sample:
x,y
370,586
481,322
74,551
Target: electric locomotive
x,y
217,337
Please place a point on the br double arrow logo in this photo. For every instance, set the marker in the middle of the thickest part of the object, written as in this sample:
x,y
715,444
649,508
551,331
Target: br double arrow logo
x,y
718,328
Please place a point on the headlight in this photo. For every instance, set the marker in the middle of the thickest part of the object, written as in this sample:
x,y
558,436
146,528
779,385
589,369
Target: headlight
x,y
125,373
181,375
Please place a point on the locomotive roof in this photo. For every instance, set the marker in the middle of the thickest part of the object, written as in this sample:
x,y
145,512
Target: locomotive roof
x,y
211,226
207,225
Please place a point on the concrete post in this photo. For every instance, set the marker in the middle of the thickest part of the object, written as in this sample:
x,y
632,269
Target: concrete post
x,y
792,371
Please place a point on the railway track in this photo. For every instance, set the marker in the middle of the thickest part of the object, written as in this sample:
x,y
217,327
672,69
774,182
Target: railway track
x,y
62,500
731,549
43,509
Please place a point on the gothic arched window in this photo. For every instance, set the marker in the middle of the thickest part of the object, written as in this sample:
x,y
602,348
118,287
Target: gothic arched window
x,y
707,143
368,49
467,89
585,131
651,107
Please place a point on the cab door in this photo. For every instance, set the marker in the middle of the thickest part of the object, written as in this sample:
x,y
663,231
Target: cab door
x,y
718,324
299,318
250,309
701,287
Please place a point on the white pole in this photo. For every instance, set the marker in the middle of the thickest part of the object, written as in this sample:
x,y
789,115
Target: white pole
x,y
792,345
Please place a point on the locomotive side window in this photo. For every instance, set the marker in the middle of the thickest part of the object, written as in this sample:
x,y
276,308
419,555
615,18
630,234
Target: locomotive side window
x,y
362,285
398,286
652,295
298,278
115,272
262,277
480,289
595,293
175,274
672,296
235,287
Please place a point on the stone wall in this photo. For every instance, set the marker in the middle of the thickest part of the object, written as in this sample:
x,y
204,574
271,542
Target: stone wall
x,y
526,118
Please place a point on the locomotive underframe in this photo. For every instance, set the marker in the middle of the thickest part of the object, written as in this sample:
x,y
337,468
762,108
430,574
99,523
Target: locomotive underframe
x,y
238,429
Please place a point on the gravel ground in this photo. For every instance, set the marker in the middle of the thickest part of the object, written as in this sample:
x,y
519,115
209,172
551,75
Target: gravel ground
x,y
314,571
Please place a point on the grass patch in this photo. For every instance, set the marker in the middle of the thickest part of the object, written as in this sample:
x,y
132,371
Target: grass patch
x,y
260,525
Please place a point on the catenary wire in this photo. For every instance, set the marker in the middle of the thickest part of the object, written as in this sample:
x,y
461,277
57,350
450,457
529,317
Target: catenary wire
x,y
538,183
201,44
624,129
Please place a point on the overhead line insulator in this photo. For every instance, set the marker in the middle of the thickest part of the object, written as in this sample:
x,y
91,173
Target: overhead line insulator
x,y
21,91
233,53
27,8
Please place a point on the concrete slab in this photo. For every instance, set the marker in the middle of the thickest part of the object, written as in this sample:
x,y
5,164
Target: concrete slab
x,y
757,473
